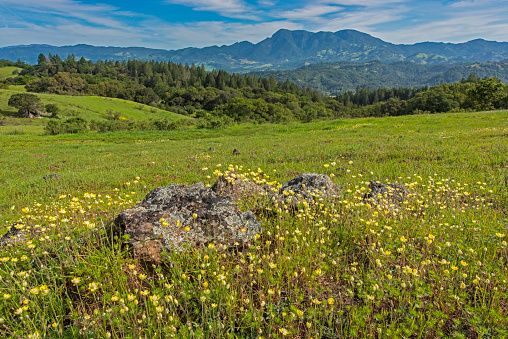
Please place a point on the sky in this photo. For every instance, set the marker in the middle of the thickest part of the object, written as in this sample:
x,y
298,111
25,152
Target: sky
x,y
175,24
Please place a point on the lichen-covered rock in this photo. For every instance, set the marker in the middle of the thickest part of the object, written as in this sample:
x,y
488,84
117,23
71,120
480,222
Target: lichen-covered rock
x,y
234,186
388,195
18,233
308,186
177,216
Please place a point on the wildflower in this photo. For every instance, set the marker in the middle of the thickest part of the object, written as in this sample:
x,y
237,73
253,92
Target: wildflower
x,y
500,235
76,280
34,291
114,298
283,331
203,298
93,286
131,297
270,291
331,301
462,285
7,296
463,263
131,266
159,309
299,313
142,276
214,305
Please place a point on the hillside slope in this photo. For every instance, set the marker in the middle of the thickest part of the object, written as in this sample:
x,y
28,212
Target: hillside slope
x,y
333,78
93,107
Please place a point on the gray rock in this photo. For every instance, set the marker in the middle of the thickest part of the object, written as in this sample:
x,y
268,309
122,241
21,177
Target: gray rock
x,y
237,188
308,186
192,216
388,195
17,233
51,176
32,114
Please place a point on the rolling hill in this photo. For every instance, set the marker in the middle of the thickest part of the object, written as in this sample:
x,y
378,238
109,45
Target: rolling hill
x,y
93,107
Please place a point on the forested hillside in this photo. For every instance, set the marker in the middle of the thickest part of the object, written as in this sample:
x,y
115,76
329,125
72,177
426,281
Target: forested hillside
x,y
336,78
218,98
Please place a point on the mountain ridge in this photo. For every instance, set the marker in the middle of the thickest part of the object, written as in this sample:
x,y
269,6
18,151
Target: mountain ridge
x,y
284,50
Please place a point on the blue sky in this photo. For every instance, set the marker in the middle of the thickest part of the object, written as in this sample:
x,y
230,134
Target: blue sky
x,y
173,24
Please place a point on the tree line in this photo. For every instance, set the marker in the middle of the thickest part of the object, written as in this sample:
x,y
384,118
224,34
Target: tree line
x,y
218,98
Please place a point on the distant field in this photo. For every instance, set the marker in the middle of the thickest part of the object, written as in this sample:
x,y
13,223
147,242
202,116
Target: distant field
x,y
6,72
90,107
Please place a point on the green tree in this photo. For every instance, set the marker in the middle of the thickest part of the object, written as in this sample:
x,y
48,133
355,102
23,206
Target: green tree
x,y
29,105
486,93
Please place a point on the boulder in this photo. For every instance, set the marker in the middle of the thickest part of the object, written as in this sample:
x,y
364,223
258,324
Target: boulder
x,y
175,217
235,187
32,114
389,195
308,186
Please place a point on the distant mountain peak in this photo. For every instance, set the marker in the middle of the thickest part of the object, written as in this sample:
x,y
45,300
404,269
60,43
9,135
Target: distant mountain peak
x,y
285,49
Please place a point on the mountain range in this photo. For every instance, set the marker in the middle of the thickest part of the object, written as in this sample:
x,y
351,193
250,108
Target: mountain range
x,y
284,50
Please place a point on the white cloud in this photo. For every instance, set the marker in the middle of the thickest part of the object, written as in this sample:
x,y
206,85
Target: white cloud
x,y
366,3
208,33
309,12
228,8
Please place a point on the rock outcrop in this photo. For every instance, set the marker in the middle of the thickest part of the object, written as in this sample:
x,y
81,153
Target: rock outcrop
x,y
177,216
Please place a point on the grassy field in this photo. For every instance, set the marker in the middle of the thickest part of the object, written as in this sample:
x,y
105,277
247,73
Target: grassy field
x,y
6,72
87,107
337,269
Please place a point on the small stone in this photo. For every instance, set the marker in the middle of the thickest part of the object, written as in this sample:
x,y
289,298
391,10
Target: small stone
x,y
236,152
211,149
51,176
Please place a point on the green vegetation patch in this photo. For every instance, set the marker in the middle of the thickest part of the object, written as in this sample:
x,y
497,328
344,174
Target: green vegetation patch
x,y
434,266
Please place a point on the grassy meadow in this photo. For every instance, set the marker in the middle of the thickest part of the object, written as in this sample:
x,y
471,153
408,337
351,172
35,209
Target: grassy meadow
x,y
340,268
86,107
7,72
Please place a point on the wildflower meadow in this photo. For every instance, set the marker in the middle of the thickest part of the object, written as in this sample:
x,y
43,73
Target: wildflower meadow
x,y
432,266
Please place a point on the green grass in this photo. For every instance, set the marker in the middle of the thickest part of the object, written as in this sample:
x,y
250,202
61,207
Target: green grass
x,y
92,107
436,268
6,72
